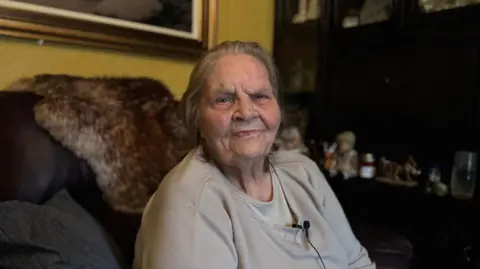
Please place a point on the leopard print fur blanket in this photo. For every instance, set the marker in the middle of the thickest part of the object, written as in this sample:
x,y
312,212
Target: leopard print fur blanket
x,y
127,129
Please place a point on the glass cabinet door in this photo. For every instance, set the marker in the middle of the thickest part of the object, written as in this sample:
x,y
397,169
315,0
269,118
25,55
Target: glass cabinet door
x,y
354,13
296,43
296,49
429,6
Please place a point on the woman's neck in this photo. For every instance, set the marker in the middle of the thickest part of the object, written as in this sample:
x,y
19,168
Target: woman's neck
x,y
253,177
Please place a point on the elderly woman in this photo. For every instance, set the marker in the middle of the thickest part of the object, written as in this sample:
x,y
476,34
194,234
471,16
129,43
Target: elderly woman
x,y
233,202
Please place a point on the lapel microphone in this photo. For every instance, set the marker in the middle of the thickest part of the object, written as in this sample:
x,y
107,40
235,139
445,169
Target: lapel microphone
x,y
305,226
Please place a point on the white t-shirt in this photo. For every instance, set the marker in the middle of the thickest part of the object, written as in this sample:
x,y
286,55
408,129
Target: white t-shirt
x,y
276,211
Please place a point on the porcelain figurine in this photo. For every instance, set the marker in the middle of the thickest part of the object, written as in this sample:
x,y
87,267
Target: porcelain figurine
x,y
345,157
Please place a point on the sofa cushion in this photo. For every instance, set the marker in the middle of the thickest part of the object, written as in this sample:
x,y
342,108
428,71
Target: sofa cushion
x,y
57,234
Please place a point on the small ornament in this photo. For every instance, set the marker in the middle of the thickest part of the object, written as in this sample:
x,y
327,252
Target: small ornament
x,y
328,154
434,175
367,168
345,157
291,139
435,184
400,174
307,10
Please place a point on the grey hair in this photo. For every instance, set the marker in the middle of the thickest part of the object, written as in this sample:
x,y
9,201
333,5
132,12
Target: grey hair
x,y
191,98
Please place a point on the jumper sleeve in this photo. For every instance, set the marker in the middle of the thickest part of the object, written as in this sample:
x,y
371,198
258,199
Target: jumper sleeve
x,y
183,238
335,216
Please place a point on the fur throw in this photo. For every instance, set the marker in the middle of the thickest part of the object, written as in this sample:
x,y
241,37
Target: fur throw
x,y
127,129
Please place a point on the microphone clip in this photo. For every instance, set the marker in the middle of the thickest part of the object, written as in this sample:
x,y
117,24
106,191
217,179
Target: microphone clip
x,y
297,226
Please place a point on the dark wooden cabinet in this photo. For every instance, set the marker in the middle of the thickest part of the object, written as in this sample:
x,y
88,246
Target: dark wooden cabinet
x,y
422,98
404,19
443,230
409,85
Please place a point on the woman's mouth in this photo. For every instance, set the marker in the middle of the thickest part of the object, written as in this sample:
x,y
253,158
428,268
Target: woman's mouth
x,y
246,133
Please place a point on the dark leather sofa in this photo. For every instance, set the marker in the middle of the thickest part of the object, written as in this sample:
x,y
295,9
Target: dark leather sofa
x,y
33,167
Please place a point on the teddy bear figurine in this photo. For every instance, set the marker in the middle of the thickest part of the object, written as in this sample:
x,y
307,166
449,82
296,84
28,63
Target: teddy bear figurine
x,y
345,157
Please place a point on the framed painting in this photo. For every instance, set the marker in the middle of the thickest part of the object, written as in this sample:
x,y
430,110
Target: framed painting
x,y
158,27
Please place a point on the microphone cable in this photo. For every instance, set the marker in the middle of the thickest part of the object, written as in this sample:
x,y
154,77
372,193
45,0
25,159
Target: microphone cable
x,y
304,228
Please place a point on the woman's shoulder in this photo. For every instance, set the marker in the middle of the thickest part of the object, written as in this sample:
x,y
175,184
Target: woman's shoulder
x,y
296,167
185,184
285,158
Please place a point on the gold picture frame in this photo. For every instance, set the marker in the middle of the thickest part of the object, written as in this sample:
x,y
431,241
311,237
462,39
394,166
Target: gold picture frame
x,y
45,23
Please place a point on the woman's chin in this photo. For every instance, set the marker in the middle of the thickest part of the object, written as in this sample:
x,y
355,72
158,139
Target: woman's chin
x,y
251,152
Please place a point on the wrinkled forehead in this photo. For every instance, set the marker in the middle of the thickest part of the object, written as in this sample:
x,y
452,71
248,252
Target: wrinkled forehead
x,y
237,72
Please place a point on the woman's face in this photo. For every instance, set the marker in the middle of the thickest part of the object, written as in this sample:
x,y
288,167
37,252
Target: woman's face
x,y
239,114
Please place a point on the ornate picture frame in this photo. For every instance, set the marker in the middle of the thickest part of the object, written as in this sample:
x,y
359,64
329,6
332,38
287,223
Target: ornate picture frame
x,y
34,19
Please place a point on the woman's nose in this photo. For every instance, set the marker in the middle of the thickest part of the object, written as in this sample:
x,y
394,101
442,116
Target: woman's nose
x,y
244,110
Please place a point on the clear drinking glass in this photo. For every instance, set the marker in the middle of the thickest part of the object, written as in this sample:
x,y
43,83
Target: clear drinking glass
x,y
464,175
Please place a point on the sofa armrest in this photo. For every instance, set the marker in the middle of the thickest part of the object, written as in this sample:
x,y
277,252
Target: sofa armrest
x,y
33,166
386,248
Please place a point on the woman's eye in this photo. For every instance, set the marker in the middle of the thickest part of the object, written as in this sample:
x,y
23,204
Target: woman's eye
x,y
259,96
223,99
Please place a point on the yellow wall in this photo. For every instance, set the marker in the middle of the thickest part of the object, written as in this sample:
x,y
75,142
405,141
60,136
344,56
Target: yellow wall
x,y
237,19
